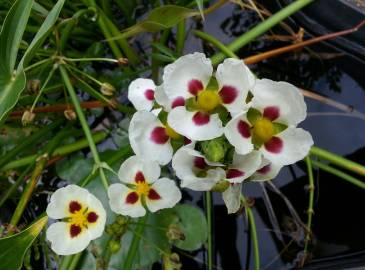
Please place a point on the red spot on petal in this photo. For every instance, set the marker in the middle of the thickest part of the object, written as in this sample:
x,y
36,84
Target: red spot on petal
x,y
233,173
132,198
244,129
149,94
274,145
265,169
74,206
199,162
159,136
180,101
153,195
139,177
92,217
194,86
187,141
201,119
228,94
75,230
272,112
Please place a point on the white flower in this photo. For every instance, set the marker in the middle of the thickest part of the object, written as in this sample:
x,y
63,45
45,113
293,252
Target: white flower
x,y
83,219
232,198
194,170
243,166
141,185
266,171
186,81
270,125
141,92
150,139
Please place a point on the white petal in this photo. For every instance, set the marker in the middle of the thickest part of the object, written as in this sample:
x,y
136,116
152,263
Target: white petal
x,y
61,241
141,129
58,206
162,99
251,78
141,93
237,132
189,125
183,163
169,195
118,194
178,75
243,166
135,165
233,80
282,95
232,198
295,145
267,171
96,229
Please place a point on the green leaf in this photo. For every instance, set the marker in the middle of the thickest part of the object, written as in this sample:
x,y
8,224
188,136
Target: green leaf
x,y
160,18
194,225
10,38
13,248
200,4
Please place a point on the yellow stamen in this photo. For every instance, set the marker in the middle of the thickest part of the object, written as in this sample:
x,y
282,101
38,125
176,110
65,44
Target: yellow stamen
x,y
142,188
263,129
171,133
208,100
79,218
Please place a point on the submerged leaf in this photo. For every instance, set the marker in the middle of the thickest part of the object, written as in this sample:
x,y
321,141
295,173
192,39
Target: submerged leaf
x,y
13,248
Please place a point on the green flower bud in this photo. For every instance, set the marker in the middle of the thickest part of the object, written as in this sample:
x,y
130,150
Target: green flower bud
x,y
109,229
27,117
121,220
114,246
215,150
221,186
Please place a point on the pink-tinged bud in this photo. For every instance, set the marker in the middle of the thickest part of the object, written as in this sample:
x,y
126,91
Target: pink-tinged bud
x,y
70,114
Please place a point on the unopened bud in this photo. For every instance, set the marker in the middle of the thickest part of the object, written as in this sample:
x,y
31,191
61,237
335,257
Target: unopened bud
x,y
221,186
70,114
215,150
121,220
34,85
172,261
175,233
107,89
114,246
123,61
27,117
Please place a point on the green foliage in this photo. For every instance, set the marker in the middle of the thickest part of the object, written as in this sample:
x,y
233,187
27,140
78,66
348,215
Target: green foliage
x,y
13,248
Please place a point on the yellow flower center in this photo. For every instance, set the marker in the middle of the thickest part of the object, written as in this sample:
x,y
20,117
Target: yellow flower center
x,y
142,188
79,218
263,129
171,133
208,100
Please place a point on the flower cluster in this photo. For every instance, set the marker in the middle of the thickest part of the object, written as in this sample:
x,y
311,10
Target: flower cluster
x,y
217,130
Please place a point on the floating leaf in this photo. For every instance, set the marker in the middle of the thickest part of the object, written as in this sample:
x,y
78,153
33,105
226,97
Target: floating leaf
x,y
159,19
13,248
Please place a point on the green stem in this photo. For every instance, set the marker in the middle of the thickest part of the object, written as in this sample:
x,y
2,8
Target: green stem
x,y
310,204
60,151
253,232
74,261
65,262
338,160
84,125
8,193
208,208
339,173
261,28
31,140
180,37
133,248
215,42
91,59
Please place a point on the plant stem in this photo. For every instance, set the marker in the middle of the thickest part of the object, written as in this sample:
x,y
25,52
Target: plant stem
x,y
84,125
208,209
215,42
74,261
261,28
338,160
339,174
133,248
60,151
180,37
310,205
253,232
